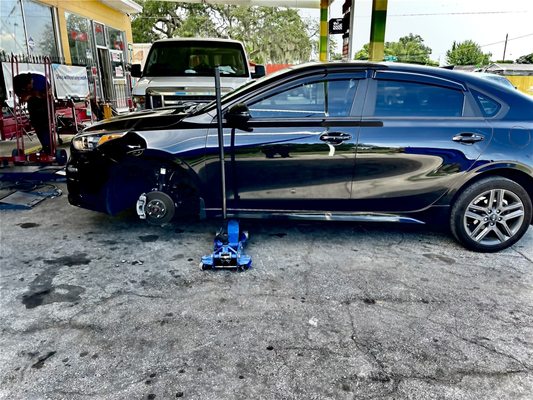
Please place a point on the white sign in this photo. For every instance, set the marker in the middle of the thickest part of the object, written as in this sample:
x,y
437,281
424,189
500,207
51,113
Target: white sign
x,y
119,72
22,68
31,43
70,81
116,56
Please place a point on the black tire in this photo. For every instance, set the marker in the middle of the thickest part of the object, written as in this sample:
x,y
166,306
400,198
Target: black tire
x,y
17,152
491,215
61,156
159,208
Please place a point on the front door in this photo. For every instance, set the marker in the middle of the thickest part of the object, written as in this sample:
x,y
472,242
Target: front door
x,y
301,150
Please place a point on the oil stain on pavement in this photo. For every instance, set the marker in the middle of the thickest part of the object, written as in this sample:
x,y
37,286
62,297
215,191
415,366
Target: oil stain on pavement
x,y
41,290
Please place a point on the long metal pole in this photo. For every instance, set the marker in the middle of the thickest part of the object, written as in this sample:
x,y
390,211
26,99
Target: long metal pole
x,y
220,141
377,30
323,44
505,46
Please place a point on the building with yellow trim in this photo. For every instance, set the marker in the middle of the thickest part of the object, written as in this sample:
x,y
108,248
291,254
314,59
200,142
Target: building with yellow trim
x,y
520,75
91,33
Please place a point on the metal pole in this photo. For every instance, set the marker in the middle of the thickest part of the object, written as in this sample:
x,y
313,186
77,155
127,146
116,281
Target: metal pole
x,y
351,50
220,141
323,44
505,46
377,30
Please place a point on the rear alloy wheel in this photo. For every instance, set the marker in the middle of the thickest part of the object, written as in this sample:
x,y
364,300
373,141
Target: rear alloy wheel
x,y
159,208
491,215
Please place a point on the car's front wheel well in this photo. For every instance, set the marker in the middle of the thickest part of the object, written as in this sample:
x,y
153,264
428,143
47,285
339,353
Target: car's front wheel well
x,y
132,177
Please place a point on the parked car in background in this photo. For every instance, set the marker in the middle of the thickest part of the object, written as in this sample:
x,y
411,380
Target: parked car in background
x,y
181,70
333,141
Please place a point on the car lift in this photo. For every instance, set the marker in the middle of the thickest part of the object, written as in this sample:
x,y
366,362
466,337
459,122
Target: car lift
x,y
18,155
228,252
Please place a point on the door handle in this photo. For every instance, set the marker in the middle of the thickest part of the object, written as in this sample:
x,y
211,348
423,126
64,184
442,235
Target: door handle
x,y
468,137
334,137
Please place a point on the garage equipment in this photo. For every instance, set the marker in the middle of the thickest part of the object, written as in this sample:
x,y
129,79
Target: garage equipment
x,y
18,155
229,242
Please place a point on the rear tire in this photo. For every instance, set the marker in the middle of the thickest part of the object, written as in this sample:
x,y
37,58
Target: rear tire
x,y
491,215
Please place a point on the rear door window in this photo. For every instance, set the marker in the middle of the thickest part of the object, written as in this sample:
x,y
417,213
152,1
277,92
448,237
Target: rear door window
x,y
489,107
411,99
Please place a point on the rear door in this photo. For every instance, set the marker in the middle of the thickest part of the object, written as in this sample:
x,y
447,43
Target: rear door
x,y
425,133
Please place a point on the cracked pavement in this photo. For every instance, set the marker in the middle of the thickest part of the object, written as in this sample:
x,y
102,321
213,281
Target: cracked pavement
x,y
94,307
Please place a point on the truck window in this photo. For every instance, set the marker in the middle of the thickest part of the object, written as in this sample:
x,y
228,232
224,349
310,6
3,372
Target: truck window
x,y
190,58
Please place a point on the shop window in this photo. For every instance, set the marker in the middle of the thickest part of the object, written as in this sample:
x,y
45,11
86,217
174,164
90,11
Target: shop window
x,y
40,29
116,39
79,39
99,34
12,28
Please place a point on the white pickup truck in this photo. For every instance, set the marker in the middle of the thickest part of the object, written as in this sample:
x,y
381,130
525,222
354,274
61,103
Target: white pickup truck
x,y
182,70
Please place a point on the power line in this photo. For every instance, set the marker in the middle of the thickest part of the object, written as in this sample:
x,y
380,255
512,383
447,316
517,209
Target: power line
x,y
448,13
503,41
417,15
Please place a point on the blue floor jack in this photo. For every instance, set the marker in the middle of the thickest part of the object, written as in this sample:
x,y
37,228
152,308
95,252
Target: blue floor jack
x,y
229,249
229,242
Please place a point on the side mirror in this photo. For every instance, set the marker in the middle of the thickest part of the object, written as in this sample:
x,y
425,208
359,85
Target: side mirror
x,y
136,71
259,72
237,117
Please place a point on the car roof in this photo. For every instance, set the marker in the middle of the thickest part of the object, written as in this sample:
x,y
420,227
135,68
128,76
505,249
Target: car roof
x,y
197,39
463,77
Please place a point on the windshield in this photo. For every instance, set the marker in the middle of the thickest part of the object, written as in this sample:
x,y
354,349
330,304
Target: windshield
x,y
196,58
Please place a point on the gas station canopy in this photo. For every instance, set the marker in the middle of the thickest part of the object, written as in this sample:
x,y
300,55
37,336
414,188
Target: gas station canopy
x,y
377,26
264,3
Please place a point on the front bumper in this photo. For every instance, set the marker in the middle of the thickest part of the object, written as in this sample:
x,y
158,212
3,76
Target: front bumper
x,y
97,182
87,177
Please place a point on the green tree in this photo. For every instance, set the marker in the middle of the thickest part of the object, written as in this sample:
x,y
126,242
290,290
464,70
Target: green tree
x,y
526,59
467,53
410,49
270,34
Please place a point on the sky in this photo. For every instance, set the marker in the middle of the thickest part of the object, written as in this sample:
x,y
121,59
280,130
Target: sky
x,y
441,22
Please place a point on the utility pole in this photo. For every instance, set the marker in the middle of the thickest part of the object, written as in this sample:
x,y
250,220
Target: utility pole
x,y
505,46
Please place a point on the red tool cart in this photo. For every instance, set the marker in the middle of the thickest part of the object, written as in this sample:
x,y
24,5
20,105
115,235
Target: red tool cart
x,y
18,155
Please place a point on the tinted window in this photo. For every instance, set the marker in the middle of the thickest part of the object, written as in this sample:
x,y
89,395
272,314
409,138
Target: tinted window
x,y
409,99
488,106
308,100
340,95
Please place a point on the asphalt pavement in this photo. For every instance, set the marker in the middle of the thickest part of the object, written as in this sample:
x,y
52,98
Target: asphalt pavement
x,y
95,307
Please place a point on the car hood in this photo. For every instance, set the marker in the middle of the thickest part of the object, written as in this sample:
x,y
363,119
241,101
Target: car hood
x,y
143,120
185,85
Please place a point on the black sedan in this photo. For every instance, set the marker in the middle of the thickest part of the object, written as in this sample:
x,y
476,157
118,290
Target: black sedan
x,y
335,141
